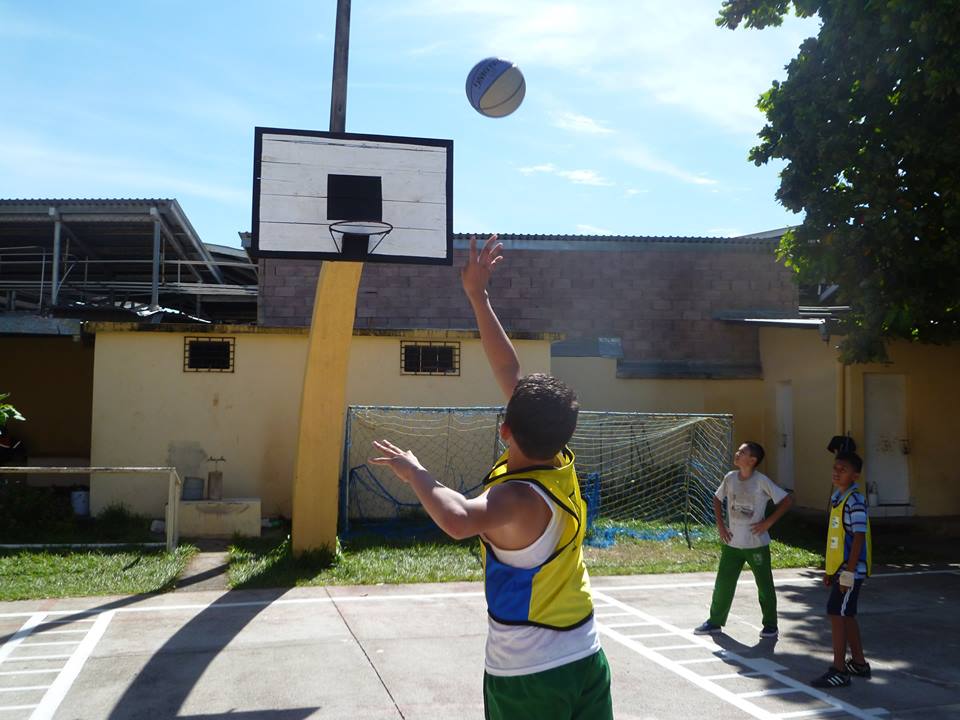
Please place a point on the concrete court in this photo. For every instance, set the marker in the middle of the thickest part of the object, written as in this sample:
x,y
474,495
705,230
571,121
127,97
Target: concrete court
x,y
415,652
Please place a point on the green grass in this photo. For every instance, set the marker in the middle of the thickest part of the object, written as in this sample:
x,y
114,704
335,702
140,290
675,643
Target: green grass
x,y
32,574
361,560
373,558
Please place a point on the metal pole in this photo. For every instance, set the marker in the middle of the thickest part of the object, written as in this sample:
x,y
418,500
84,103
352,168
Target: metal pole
x,y
155,285
341,52
55,276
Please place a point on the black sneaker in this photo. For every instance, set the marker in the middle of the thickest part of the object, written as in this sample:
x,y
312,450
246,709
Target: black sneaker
x,y
858,670
707,628
769,632
832,678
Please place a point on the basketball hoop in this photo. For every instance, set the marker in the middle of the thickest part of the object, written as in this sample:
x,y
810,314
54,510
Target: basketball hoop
x,y
353,237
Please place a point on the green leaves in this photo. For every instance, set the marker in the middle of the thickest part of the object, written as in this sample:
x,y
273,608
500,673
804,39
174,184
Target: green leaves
x,y
868,123
7,411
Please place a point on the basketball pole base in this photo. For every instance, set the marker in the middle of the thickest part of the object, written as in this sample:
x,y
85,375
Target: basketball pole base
x,y
323,408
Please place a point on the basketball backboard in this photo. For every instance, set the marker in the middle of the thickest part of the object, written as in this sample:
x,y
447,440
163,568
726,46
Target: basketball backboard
x,y
344,196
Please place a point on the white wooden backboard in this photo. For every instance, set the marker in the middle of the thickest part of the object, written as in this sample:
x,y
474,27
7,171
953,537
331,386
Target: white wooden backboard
x,y
304,181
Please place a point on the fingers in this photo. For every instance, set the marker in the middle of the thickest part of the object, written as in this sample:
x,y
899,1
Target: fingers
x,y
387,447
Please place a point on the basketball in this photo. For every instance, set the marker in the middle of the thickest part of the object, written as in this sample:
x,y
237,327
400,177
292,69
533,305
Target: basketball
x,y
495,87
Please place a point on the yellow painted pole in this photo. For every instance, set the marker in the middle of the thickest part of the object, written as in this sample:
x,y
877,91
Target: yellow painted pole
x,y
323,407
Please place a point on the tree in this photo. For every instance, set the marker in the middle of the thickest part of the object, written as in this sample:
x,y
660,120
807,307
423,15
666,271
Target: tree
x,y
868,121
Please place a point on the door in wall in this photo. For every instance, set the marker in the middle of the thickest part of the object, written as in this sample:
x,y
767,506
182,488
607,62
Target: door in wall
x,y
887,443
784,477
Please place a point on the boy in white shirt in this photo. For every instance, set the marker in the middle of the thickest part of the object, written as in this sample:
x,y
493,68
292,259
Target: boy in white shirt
x,y
746,540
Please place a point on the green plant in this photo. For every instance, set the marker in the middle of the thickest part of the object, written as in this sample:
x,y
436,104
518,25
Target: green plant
x,y
8,411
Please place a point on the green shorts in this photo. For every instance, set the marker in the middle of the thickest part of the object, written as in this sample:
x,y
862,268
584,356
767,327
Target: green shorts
x,y
577,691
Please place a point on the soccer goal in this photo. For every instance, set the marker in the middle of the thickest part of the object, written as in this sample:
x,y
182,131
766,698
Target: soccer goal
x,y
658,468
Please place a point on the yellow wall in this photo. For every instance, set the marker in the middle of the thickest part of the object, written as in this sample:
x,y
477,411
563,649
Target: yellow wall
x,y
598,387
933,401
375,378
824,392
50,382
810,365
148,412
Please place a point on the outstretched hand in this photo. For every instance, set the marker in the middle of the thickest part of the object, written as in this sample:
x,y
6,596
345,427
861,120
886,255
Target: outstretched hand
x,y
476,273
403,462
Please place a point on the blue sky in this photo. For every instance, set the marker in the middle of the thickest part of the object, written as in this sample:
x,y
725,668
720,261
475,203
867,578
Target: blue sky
x,y
638,117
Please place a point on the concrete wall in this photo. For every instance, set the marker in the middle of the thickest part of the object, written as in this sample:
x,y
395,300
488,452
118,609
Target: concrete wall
x,y
50,380
933,402
599,388
829,399
148,412
659,295
810,365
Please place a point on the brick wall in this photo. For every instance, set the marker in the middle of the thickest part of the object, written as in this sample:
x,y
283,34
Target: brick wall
x,y
659,297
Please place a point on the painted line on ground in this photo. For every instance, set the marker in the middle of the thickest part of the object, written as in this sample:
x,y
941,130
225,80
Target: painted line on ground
x,y
767,667
31,672
10,708
18,637
90,615
61,685
23,688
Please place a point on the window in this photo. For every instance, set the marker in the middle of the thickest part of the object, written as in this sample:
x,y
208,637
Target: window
x,y
208,354
427,358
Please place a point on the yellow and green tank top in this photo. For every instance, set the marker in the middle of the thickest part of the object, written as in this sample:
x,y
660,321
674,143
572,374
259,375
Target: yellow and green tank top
x,y
555,594
840,542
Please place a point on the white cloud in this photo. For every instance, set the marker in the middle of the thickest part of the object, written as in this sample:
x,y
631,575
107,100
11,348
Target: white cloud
x,y
34,168
579,124
633,192
578,177
593,230
669,53
585,177
642,158
543,168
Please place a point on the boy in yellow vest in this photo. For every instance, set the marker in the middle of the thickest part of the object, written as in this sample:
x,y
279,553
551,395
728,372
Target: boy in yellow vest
x,y
543,655
848,564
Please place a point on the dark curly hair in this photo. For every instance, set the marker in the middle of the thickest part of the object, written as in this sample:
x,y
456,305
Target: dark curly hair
x,y
542,415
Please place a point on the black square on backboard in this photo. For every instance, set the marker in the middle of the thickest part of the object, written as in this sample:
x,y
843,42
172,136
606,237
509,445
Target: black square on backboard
x,y
354,197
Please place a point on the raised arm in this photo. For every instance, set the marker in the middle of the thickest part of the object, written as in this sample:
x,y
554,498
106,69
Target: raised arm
x,y
500,352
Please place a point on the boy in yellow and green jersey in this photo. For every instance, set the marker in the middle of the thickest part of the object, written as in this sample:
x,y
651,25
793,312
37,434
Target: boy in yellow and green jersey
x,y
848,563
543,654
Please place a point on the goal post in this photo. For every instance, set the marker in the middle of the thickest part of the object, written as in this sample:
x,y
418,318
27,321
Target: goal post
x,y
654,468
174,483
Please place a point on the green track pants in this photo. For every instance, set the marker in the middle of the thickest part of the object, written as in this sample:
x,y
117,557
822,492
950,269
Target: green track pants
x,y
731,563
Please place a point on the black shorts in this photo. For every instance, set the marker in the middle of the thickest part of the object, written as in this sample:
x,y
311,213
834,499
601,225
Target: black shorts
x,y
842,603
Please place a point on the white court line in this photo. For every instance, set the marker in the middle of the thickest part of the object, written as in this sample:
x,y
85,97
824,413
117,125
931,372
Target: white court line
x,y
10,645
31,672
731,676
23,658
679,667
697,661
616,614
771,691
674,647
810,713
58,691
24,688
647,635
629,625
91,615
40,631
15,707
796,580
39,644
